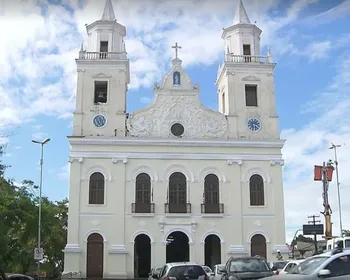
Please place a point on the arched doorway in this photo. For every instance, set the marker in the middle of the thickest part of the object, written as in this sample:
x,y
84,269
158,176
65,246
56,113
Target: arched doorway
x,y
258,246
212,250
142,256
94,262
177,248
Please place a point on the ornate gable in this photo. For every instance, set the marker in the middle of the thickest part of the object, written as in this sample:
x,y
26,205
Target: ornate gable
x,y
177,111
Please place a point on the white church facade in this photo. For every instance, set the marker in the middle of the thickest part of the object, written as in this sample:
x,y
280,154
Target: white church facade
x,y
174,181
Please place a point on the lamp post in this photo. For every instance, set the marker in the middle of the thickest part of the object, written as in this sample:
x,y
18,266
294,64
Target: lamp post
x,y
40,192
334,147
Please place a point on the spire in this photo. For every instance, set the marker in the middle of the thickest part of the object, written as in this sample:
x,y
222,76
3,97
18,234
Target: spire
x,y
241,16
108,12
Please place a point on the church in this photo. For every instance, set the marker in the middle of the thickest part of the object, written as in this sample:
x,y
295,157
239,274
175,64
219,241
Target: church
x,y
174,181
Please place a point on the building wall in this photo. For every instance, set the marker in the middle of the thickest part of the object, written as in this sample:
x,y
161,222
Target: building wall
x,y
119,227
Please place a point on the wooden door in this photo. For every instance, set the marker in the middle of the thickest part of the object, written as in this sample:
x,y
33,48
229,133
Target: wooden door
x,y
94,264
258,246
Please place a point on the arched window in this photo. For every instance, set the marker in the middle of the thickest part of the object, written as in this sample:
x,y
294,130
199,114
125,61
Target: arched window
x,y
211,194
143,193
177,193
97,188
256,189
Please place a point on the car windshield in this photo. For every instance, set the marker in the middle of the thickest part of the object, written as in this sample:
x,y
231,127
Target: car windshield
x,y
347,243
308,266
186,272
248,265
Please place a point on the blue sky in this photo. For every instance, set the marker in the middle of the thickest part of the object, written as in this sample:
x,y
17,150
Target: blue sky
x,y
309,40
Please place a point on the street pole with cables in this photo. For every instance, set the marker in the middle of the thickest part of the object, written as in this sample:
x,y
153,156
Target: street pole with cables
x,y
334,147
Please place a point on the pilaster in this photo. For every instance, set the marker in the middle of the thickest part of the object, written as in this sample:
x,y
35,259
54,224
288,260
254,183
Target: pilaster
x,y
73,249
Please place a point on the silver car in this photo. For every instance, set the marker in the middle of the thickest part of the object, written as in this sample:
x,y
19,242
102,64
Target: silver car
x,y
333,265
181,271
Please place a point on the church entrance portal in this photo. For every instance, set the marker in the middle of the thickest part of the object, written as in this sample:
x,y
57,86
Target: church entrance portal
x,y
212,250
94,262
142,256
177,249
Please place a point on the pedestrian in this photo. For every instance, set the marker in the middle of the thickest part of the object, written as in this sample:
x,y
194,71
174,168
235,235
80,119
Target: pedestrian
x,y
279,256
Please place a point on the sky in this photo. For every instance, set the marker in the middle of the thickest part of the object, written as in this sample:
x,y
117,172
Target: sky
x,y
309,41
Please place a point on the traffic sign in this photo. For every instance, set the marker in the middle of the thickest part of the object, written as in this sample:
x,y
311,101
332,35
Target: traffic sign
x,y
38,254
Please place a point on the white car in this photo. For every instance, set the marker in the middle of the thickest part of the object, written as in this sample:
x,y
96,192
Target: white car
x,y
207,270
216,275
288,267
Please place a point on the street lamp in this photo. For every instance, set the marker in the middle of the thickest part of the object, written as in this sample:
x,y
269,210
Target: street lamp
x,y
334,147
40,191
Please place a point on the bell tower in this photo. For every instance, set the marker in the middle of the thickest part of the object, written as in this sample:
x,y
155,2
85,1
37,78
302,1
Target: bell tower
x,y
245,82
103,78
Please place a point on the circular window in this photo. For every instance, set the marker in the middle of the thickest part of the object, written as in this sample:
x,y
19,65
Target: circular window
x,y
177,129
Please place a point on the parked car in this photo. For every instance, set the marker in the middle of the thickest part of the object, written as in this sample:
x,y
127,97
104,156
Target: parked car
x,y
181,271
216,275
207,270
333,265
277,266
154,271
246,268
290,265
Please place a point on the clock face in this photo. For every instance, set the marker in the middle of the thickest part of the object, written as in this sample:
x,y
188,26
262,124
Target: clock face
x,y
254,124
177,129
99,121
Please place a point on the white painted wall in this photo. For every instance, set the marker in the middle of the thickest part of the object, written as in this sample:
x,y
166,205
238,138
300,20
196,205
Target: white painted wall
x,y
212,143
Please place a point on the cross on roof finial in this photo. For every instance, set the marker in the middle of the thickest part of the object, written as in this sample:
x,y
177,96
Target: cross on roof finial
x,y
176,47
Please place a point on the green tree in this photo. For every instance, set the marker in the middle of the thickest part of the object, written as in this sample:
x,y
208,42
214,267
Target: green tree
x,y
19,228
346,232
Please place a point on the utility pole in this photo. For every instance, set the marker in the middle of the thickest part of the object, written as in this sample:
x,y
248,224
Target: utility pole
x,y
314,222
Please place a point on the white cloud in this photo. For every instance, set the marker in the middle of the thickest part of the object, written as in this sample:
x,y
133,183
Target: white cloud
x,y
37,71
339,11
40,49
309,146
39,136
63,172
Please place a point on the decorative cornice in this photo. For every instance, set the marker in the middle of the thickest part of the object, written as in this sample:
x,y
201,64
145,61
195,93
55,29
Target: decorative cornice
x,y
71,159
234,161
115,160
138,141
277,162
176,156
